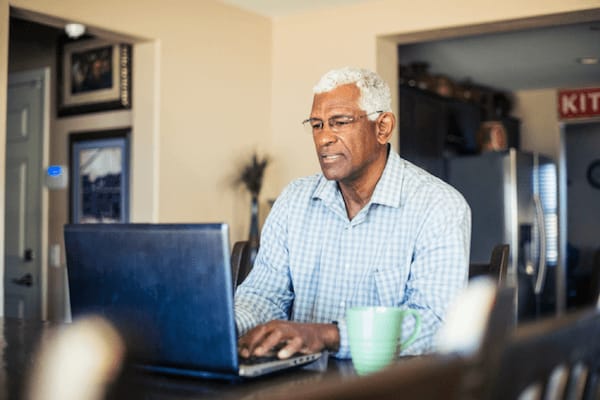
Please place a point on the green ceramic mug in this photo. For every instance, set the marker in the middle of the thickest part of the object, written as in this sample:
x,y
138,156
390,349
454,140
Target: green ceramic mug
x,y
375,336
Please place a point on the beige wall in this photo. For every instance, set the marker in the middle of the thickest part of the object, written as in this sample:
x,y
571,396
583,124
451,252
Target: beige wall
x,y
202,97
540,128
223,82
214,69
3,81
305,46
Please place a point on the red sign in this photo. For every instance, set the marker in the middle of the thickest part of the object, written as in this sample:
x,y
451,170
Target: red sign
x,y
579,103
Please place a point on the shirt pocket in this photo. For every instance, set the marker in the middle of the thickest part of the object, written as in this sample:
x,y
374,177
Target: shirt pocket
x,y
390,282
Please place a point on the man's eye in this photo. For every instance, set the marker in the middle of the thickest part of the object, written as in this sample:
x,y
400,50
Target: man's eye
x,y
341,122
316,124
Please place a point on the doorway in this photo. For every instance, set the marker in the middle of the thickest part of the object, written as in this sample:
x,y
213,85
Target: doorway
x,y
582,144
33,45
36,48
542,135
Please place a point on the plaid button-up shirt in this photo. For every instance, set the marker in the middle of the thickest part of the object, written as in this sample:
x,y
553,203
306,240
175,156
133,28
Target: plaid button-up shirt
x,y
408,247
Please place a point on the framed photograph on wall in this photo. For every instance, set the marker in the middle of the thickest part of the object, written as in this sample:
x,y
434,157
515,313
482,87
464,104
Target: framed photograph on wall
x,y
93,75
99,165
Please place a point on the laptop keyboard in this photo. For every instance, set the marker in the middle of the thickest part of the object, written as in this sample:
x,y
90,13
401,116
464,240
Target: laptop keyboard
x,y
270,356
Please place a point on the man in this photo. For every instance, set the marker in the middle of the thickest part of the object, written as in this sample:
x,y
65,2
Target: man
x,y
372,229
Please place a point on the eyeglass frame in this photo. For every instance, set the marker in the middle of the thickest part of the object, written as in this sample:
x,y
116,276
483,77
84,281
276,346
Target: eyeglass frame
x,y
331,122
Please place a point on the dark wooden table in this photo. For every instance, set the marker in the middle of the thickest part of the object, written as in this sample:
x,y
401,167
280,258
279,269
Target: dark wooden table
x,y
21,339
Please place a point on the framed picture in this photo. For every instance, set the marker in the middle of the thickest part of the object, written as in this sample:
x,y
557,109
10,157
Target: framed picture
x,y
93,75
99,165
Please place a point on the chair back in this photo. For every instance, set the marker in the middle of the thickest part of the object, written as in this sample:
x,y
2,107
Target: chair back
x,y
478,324
557,358
497,266
241,261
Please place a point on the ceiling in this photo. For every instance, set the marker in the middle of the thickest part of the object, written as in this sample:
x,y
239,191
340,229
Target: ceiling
x,y
517,60
280,8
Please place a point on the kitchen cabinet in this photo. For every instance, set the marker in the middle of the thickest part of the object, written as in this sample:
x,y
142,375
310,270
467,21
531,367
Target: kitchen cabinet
x,y
433,128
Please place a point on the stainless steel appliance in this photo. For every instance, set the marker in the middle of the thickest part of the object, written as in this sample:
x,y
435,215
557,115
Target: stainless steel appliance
x,y
513,197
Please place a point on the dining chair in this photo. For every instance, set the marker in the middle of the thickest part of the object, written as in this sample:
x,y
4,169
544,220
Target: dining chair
x,y
555,358
478,323
497,267
241,262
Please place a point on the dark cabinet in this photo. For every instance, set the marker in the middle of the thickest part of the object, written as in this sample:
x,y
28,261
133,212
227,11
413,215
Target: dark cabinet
x,y
433,128
422,129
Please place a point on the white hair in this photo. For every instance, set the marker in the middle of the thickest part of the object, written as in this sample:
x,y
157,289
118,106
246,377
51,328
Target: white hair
x,y
374,92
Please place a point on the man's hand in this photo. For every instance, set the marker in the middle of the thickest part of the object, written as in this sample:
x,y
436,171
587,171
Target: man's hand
x,y
296,338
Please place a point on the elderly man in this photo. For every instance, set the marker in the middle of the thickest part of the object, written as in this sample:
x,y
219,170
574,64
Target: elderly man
x,y
372,229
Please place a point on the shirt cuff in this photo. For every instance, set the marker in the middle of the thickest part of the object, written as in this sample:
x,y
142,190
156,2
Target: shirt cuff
x,y
344,349
243,321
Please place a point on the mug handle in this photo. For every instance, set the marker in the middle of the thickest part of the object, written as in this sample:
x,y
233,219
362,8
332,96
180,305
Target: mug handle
x,y
416,328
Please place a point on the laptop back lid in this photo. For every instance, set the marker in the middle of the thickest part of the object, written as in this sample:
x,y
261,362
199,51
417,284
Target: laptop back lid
x,y
167,287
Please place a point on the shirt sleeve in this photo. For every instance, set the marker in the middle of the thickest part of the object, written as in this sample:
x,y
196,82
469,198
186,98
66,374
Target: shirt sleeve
x,y
266,294
439,270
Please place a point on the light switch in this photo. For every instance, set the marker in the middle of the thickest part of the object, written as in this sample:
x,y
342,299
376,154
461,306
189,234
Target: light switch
x,y
54,257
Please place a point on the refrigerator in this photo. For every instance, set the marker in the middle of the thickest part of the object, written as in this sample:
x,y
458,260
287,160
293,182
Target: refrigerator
x,y
513,197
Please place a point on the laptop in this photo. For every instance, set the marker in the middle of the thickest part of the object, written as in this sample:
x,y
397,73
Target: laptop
x,y
168,289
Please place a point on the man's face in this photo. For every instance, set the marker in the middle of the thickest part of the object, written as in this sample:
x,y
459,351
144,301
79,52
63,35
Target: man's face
x,y
345,156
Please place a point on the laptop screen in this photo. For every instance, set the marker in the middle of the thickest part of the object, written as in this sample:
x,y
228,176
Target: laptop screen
x,y
166,287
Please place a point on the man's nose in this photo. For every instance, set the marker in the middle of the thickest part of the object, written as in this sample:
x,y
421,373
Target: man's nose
x,y
325,135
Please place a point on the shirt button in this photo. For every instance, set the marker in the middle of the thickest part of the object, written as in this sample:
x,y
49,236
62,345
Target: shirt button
x,y
342,304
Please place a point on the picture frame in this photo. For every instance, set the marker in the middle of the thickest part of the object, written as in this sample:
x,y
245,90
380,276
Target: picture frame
x,y
93,75
99,176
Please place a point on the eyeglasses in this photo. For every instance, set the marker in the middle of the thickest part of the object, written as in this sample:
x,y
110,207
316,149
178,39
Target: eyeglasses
x,y
337,123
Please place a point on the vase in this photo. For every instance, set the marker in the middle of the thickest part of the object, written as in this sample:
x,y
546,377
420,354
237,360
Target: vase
x,y
253,236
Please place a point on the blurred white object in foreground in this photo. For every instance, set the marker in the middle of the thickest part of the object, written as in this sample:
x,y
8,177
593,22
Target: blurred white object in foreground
x,y
77,362
467,318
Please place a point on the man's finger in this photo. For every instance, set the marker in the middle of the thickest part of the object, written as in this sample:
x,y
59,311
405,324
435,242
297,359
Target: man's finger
x,y
269,341
292,347
253,338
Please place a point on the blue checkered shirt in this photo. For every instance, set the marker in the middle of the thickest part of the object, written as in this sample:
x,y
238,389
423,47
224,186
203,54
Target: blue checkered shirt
x,y
408,247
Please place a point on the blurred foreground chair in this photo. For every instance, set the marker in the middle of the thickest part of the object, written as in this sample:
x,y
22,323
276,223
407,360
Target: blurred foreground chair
x,y
241,262
557,358
478,324
497,266
78,361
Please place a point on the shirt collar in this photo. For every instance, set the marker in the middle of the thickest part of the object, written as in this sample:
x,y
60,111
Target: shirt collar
x,y
388,191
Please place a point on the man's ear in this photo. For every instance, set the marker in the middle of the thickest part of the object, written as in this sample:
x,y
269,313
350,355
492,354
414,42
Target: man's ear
x,y
385,124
